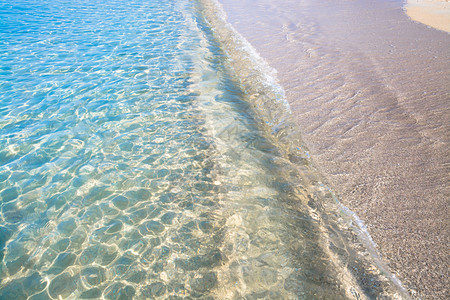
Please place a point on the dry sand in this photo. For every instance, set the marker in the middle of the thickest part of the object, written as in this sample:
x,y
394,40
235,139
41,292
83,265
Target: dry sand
x,y
435,13
370,92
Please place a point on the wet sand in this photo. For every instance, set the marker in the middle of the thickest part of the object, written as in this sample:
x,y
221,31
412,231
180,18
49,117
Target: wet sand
x,y
370,92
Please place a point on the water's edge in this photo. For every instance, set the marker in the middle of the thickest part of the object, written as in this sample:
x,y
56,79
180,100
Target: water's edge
x,y
434,14
259,82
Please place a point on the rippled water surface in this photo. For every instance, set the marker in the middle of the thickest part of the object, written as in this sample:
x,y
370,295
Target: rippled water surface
x,y
131,166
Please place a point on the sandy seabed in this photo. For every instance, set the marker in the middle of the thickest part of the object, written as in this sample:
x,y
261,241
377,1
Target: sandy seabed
x,y
369,90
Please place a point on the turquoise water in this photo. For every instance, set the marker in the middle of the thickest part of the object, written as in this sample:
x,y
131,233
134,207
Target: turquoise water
x,y
131,165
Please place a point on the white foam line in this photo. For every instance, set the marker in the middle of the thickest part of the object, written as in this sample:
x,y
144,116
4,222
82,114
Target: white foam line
x,y
268,73
369,243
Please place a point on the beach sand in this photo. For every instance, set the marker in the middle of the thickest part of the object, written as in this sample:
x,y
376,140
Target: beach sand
x,y
435,13
370,92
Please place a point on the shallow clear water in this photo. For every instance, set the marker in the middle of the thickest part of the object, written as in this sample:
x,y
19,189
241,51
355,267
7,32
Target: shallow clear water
x,y
131,166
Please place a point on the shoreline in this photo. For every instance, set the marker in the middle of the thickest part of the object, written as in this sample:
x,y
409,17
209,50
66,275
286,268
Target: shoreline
x,y
259,81
434,13
368,90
